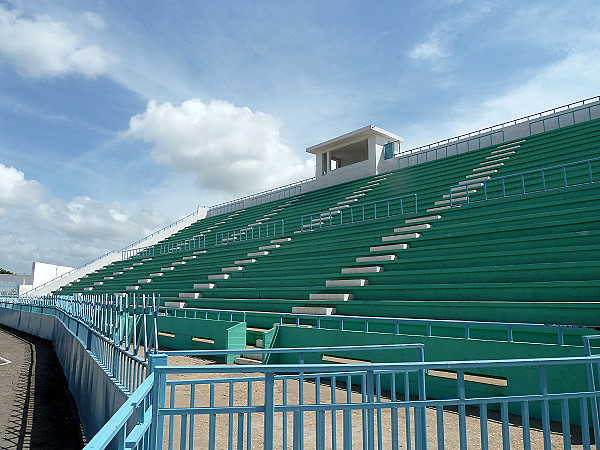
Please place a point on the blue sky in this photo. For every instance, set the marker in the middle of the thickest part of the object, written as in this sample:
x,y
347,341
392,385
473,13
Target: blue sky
x,y
117,118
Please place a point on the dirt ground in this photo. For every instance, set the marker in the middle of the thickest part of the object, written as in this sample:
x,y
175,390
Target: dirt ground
x,y
36,411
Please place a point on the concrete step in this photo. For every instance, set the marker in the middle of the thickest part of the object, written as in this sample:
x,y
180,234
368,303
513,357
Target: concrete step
x,y
345,202
89,288
501,155
137,264
127,268
386,248
511,145
132,288
367,269
354,196
98,283
338,207
205,285
489,165
179,263
145,280
473,180
454,200
423,219
400,237
185,258
269,247
117,273
190,295
422,226
439,208
332,297
312,310
245,261
493,160
336,283
221,276
379,258
175,304
232,269
478,174
164,269
281,240
157,274
362,191
263,253
109,278
462,187
461,192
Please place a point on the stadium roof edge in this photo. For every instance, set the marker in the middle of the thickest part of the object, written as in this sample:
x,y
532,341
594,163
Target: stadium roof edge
x,y
352,136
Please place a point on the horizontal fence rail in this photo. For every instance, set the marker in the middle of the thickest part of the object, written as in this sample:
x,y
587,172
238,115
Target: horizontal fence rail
x,y
248,233
563,176
380,209
382,405
430,327
577,112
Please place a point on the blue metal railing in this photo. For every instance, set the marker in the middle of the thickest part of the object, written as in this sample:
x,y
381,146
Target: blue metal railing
x,y
195,242
493,135
524,183
430,327
271,228
380,405
119,331
380,209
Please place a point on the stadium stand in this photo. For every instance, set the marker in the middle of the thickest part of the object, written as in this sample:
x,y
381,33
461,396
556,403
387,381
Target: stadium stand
x,y
481,251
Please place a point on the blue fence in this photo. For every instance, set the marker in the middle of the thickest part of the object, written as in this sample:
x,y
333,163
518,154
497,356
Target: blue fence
x,y
271,228
380,209
429,327
381,405
563,176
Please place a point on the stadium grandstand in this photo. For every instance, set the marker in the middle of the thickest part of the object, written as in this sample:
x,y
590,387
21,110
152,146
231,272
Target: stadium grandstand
x,y
446,296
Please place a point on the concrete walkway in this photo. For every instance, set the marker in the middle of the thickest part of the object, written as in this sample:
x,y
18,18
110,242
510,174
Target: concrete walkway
x,y
35,410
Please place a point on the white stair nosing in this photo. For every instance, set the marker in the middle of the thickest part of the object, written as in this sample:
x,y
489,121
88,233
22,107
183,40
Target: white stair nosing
x,y
109,278
359,282
98,283
220,276
474,180
280,240
501,155
232,269
423,219
167,268
456,192
131,288
462,186
493,161
481,173
422,226
157,274
447,201
190,295
439,208
489,166
262,253
366,269
385,248
400,237
332,297
245,261
269,247
204,285
145,280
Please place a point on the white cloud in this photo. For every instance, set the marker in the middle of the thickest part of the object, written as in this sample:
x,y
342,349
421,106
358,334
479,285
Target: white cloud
x,y
16,191
228,148
35,227
41,47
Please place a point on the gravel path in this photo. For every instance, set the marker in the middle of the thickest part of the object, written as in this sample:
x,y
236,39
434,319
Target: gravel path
x,y
35,409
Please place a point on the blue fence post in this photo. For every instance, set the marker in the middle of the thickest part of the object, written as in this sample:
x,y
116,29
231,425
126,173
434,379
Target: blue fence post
x,y
269,419
158,396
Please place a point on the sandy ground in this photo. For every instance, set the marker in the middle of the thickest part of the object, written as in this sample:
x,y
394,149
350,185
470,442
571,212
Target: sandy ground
x,y
35,409
182,397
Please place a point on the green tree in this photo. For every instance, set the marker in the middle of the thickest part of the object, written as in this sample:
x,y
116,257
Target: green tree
x,y
5,272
